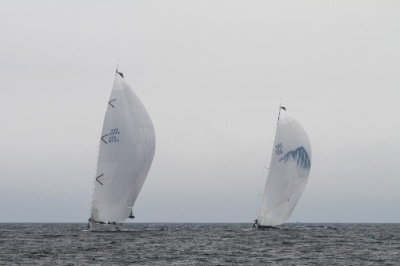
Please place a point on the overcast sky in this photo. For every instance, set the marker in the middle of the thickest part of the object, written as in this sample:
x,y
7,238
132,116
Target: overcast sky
x,y
211,75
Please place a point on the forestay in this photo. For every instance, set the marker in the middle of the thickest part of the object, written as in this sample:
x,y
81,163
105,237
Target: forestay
x,y
126,152
288,172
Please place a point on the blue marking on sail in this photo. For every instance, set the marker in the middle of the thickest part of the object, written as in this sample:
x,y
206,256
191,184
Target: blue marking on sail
x,y
279,149
300,154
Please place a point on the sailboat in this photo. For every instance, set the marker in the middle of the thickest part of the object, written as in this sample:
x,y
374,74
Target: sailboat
x,y
126,151
288,172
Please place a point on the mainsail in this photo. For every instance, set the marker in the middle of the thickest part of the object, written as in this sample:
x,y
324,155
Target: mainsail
x,y
288,172
127,146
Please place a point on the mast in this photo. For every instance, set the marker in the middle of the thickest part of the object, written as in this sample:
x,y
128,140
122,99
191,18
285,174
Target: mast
x,y
256,224
279,114
119,73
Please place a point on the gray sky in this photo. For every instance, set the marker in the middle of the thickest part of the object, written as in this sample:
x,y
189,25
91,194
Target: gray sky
x,y
211,74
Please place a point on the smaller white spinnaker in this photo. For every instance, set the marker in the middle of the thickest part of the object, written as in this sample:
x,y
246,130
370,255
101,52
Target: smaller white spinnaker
x,y
127,146
288,172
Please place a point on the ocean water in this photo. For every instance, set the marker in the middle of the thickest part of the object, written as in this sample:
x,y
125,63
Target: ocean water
x,y
201,244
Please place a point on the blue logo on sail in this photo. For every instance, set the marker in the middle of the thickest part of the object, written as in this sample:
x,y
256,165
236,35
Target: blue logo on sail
x,y
300,154
279,149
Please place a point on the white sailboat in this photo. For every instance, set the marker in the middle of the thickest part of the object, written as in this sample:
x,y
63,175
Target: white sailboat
x,y
126,151
288,172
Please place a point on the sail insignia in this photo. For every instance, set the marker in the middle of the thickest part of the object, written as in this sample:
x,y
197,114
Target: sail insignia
x,y
300,154
111,101
98,179
102,138
278,149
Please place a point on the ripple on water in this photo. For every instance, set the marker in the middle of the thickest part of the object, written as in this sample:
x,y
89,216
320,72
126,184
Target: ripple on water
x,y
201,244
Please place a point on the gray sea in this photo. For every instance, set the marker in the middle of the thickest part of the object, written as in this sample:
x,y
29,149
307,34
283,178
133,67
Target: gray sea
x,y
201,244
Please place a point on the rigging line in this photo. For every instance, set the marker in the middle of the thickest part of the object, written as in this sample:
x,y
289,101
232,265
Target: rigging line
x,y
94,180
279,113
271,148
264,171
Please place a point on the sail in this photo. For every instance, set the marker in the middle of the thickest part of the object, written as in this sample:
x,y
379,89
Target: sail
x,y
127,146
288,172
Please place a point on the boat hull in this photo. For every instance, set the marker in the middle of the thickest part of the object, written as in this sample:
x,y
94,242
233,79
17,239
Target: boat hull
x,y
104,227
263,227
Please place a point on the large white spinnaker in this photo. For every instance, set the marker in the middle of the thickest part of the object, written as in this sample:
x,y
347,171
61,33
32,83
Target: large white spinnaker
x,y
288,172
126,152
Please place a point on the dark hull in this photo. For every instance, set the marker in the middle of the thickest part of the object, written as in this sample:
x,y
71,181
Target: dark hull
x,y
265,227
104,227
258,226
